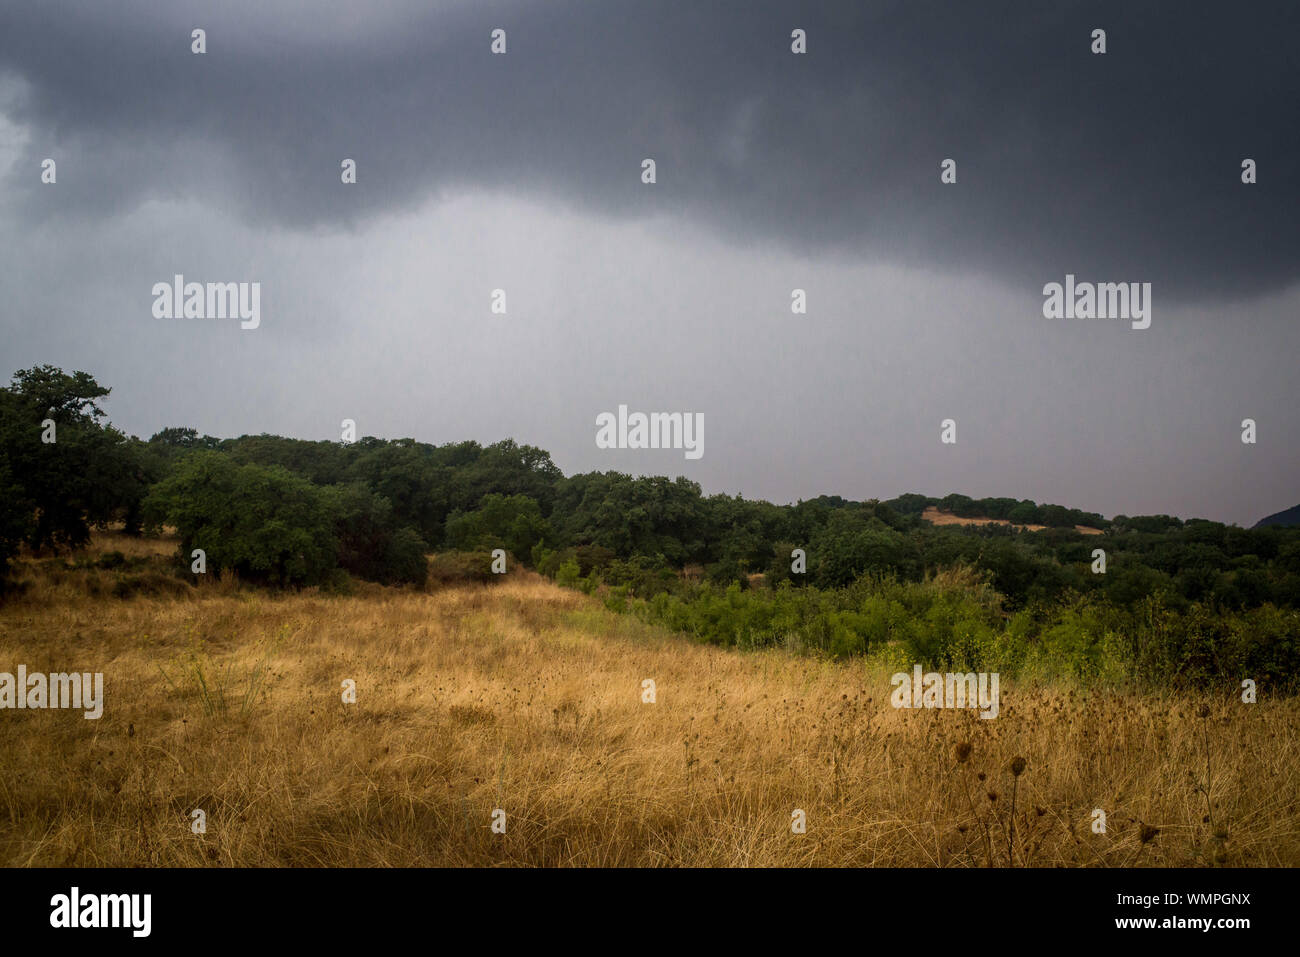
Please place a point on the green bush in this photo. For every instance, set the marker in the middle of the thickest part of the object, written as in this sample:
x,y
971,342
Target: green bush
x,y
369,544
266,524
512,522
568,574
404,559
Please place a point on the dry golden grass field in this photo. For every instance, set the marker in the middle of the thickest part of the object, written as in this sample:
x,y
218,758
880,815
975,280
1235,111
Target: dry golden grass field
x,y
527,697
934,516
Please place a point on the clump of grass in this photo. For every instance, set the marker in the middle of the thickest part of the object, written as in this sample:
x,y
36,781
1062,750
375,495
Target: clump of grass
x,y
212,684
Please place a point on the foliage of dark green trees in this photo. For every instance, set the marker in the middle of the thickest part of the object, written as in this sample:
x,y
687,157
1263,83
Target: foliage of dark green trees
x,y
62,469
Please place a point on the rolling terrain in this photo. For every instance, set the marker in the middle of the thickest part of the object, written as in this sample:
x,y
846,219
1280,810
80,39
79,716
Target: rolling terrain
x,y
527,697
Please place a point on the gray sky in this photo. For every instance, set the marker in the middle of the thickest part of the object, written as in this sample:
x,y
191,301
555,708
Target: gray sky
x,y
775,171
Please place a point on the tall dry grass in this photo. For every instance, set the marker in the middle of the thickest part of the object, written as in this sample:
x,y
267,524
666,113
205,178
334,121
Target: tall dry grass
x,y
526,697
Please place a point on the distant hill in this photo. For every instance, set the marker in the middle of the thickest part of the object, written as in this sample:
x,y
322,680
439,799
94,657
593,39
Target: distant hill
x,y
1290,517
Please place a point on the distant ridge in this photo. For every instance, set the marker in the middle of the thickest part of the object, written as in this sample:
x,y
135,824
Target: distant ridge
x,y
1289,517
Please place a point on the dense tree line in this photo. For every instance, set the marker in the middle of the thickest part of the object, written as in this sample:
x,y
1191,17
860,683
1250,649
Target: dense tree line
x,y
289,512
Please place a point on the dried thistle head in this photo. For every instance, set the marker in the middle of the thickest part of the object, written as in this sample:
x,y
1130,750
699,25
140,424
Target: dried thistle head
x,y
962,752
1018,766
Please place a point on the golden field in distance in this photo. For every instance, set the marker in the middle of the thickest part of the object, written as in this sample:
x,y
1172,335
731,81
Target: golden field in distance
x,y
526,697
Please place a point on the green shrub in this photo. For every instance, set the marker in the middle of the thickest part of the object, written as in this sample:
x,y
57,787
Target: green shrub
x,y
404,559
616,600
512,522
568,574
370,546
267,524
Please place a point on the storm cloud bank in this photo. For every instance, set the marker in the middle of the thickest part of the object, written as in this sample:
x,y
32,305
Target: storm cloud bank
x,y
1123,166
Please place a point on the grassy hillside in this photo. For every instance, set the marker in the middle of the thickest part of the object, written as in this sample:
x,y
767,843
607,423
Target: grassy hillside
x,y
527,697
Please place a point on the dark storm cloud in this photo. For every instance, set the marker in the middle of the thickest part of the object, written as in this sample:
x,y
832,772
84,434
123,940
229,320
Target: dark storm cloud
x,y
1117,167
